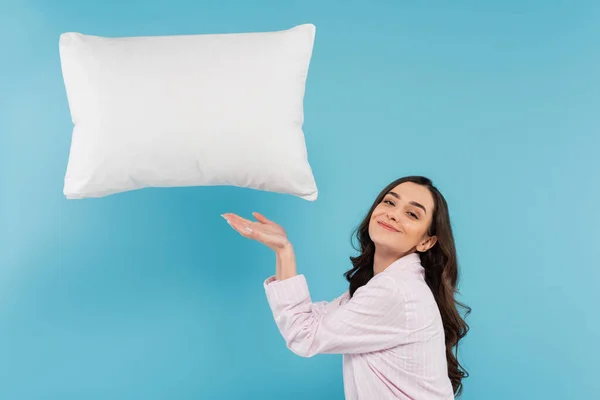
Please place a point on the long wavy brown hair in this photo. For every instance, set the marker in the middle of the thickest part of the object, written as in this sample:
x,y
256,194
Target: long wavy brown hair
x,y
441,272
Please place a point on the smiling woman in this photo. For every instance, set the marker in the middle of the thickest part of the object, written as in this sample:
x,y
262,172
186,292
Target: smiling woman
x,y
398,325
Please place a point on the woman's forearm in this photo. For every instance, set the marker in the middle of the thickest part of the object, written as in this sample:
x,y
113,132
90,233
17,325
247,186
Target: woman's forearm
x,y
285,262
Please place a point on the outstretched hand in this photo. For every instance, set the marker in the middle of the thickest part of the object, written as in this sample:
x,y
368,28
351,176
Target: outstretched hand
x,y
262,230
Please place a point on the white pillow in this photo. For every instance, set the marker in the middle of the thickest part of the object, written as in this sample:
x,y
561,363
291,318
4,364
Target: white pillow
x,y
188,110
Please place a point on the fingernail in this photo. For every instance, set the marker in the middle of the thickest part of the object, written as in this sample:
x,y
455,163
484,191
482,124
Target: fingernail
x,y
248,229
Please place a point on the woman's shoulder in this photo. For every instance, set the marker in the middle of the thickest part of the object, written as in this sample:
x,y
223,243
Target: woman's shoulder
x,y
411,288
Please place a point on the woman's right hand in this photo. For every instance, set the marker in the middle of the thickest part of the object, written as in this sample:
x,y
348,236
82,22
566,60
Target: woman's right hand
x,y
263,230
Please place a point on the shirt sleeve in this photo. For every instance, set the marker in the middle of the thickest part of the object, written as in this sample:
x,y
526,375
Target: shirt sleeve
x,y
319,307
373,319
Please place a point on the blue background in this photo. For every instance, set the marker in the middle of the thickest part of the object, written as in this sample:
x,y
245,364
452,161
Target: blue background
x,y
150,294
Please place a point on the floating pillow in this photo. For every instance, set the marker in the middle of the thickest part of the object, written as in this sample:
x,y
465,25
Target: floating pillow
x,y
188,110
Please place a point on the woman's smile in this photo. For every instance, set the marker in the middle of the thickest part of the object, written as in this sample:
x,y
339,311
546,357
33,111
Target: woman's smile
x,y
387,226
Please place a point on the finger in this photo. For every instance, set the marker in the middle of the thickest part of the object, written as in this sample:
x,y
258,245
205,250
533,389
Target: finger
x,y
241,228
239,219
235,217
253,234
262,218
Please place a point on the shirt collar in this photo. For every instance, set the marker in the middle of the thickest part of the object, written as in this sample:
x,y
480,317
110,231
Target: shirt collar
x,y
402,262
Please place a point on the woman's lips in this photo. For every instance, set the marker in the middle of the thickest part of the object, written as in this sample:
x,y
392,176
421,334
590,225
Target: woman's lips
x,y
387,226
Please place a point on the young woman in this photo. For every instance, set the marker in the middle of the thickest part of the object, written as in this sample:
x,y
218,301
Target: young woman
x,y
398,324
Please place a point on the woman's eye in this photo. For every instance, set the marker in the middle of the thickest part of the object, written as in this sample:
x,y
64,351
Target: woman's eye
x,y
412,214
389,202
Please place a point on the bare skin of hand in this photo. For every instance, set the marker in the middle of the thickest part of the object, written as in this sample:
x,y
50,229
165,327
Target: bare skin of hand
x,y
271,235
262,230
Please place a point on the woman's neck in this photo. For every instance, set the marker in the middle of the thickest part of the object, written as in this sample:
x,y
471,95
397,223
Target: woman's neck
x,y
382,260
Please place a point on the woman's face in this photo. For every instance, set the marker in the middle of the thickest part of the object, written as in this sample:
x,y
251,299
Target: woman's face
x,y
400,222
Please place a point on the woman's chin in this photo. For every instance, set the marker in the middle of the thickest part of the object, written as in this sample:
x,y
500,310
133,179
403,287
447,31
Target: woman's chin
x,y
387,246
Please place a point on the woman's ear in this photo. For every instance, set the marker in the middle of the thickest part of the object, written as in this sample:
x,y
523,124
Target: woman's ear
x,y
427,244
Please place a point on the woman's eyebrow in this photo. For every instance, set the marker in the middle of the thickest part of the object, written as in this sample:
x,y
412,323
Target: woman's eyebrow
x,y
414,203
